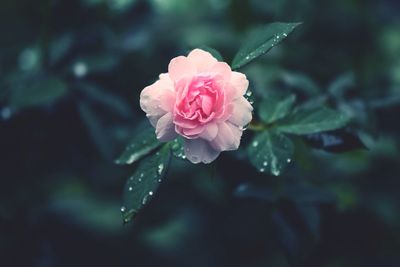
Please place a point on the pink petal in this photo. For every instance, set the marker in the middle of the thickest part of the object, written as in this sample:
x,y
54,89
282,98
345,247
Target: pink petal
x,y
228,137
165,128
199,150
242,112
210,132
238,85
221,69
206,104
181,67
194,132
201,59
157,99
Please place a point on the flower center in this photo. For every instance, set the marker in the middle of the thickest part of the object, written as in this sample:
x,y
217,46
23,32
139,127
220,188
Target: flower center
x,y
199,101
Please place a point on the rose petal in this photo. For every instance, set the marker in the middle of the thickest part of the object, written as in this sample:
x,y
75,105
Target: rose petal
x,y
238,85
242,112
165,128
209,132
157,99
201,59
228,137
181,67
221,69
199,150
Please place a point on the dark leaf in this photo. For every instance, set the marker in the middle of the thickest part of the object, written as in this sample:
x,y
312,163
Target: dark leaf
x,y
107,99
96,130
38,92
274,108
313,121
141,144
261,41
142,185
336,141
270,151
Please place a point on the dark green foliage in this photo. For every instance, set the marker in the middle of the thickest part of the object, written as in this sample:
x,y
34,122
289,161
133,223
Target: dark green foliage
x,y
270,151
144,142
142,185
70,77
262,40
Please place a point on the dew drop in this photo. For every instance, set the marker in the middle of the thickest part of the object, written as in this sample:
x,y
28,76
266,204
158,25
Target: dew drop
x,y
144,200
160,168
142,175
262,170
265,163
276,172
123,209
255,144
80,69
289,160
151,193
130,188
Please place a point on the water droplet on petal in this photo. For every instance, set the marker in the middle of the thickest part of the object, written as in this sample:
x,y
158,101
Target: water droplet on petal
x,y
265,163
151,193
123,209
255,144
130,188
289,160
262,170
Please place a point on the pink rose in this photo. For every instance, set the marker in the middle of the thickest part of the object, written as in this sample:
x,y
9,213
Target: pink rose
x,y
202,100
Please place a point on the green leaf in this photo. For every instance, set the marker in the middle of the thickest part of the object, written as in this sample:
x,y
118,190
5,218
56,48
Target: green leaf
x,y
141,144
38,92
142,185
261,41
178,149
300,82
109,100
313,121
93,64
215,53
272,108
96,129
270,151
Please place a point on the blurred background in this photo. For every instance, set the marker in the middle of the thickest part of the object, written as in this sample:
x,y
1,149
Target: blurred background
x,y
70,77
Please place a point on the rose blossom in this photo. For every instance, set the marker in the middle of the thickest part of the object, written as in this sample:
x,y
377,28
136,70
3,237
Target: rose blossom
x,y
201,100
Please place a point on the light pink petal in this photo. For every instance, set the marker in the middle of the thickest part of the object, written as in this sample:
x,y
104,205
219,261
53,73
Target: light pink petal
x,y
199,150
201,59
238,85
221,69
209,132
242,112
194,132
206,104
157,99
181,67
228,137
165,128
